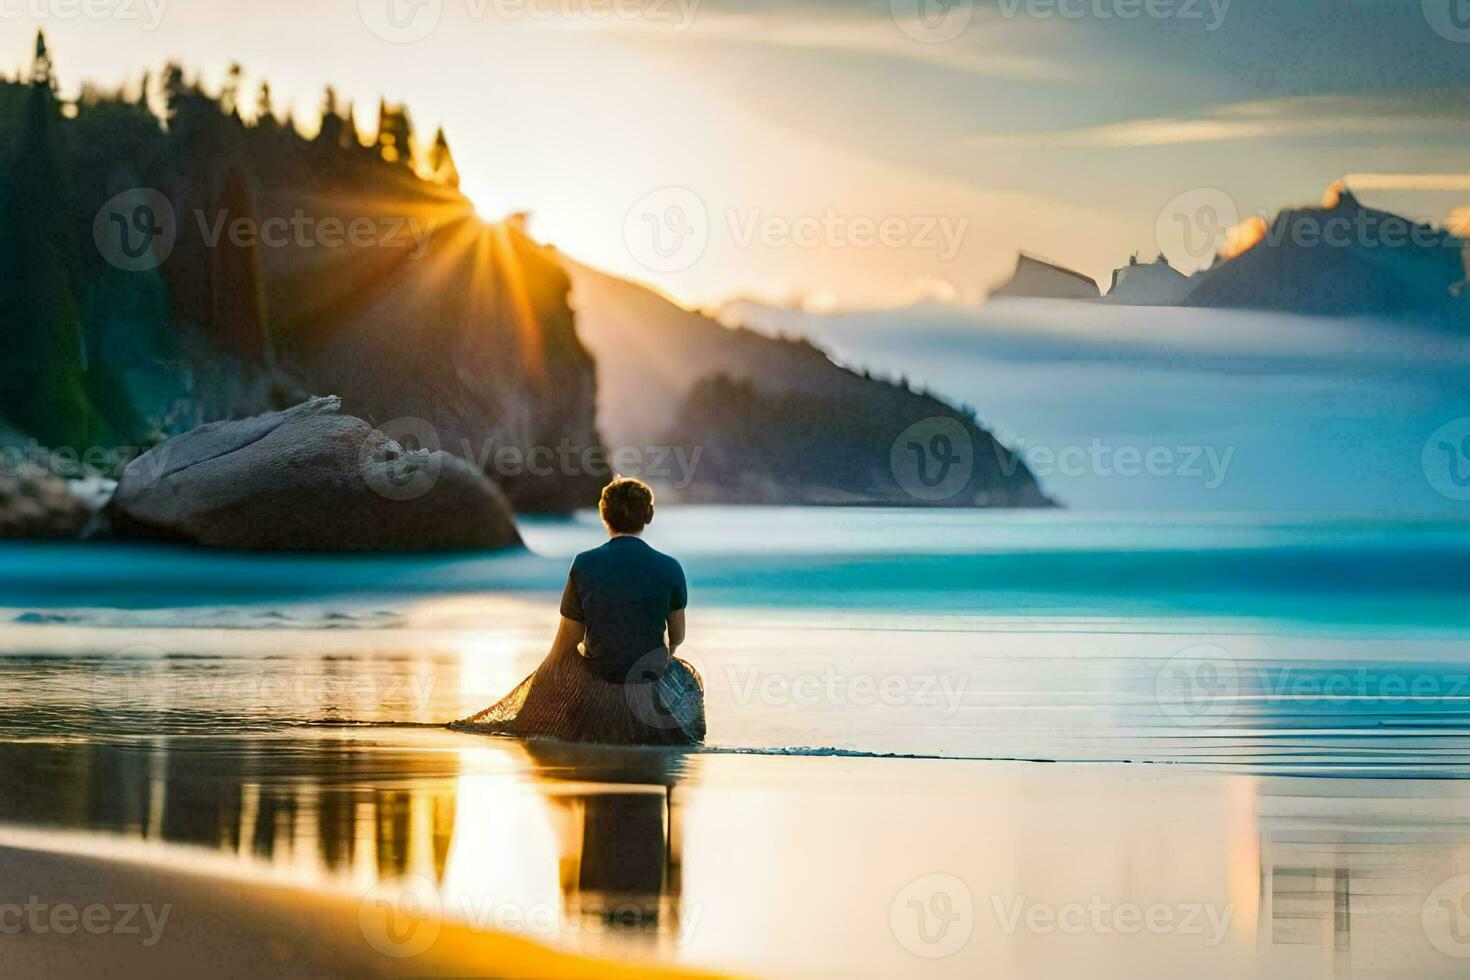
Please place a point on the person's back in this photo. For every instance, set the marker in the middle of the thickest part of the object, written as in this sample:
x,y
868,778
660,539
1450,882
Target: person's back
x,y
623,592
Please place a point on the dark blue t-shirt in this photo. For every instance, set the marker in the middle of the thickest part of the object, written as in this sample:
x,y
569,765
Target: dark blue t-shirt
x,y
624,592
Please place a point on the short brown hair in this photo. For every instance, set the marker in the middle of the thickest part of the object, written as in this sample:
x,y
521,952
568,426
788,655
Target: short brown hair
x,y
626,505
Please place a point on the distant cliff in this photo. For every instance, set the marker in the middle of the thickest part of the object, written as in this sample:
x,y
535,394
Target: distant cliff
x,y
1036,278
1155,283
774,420
1343,259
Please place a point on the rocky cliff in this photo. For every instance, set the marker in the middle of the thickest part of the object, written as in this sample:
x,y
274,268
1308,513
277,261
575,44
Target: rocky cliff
x,y
1343,259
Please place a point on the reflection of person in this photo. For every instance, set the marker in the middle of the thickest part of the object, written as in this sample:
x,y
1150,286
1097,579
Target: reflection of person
x,y
611,676
620,597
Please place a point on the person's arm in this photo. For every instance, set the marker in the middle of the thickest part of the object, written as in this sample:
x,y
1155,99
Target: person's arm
x,y
572,628
569,634
678,600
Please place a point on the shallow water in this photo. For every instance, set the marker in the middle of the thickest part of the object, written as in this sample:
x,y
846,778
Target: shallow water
x,y
1268,645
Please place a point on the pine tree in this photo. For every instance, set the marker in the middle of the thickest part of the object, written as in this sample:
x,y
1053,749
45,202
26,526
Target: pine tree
x,y
441,162
330,133
41,389
265,112
395,135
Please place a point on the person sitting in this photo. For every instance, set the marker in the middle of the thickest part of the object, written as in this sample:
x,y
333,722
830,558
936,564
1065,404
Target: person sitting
x,y
612,675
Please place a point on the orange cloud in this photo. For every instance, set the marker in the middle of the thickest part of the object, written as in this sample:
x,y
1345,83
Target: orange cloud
x,y
1458,223
1244,237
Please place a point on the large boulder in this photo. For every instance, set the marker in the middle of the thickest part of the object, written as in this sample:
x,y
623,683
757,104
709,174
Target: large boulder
x,y
308,479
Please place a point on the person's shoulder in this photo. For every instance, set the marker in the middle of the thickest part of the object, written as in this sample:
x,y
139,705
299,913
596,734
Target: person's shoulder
x,y
584,558
669,562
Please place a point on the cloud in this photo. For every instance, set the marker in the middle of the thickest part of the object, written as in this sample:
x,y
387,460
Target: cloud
x,y
1318,115
988,47
1458,222
1408,182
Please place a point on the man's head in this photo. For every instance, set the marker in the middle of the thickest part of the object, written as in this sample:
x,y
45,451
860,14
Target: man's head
x,y
626,505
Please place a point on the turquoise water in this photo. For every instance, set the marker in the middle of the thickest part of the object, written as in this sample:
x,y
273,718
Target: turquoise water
x,y
1258,643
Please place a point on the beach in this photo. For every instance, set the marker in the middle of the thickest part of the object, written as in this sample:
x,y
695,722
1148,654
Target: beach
x,y
939,745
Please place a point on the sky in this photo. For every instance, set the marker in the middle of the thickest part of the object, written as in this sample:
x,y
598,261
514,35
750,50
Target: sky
x,y
853,154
